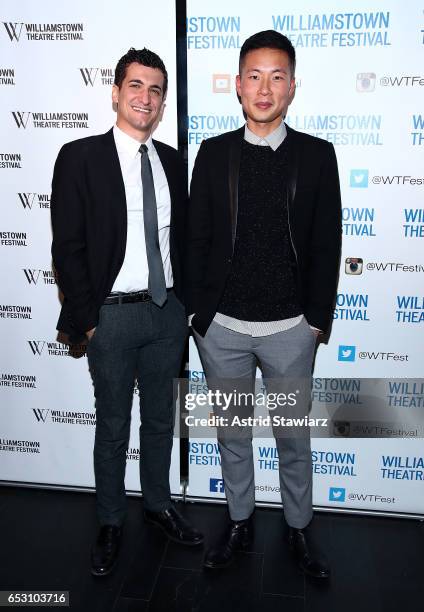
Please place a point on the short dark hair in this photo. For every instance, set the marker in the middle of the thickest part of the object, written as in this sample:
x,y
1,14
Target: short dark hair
x,y
268,39
145,57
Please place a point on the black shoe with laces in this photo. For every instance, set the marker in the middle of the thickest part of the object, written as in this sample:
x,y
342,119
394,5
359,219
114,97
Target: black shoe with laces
x,y
105,550
237,537
177,528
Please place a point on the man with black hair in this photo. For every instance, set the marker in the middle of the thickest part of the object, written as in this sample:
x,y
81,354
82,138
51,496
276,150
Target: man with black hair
x,y
264,236
118,215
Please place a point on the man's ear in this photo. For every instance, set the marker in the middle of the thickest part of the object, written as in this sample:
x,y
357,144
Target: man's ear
x,y
162,110
238,85
292,90
115,94
162,107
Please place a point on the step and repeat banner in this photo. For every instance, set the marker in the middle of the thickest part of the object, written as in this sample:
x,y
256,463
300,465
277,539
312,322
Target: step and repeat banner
x,y
57,63
360,85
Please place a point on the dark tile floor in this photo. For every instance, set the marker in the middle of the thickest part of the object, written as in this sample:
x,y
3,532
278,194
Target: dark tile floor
x,y
377,563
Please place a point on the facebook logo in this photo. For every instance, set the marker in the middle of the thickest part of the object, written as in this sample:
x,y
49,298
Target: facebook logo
x,y
347,353
216,485
359,178
337,494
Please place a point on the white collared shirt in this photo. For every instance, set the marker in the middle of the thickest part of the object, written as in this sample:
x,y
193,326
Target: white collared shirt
x,y
272,140
134,274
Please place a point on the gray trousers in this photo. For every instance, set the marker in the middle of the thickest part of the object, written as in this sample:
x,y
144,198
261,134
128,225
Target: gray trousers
x,y
288,355
135,341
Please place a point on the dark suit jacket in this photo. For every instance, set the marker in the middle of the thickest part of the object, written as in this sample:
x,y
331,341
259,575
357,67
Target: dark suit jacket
x,y
89,219
314,212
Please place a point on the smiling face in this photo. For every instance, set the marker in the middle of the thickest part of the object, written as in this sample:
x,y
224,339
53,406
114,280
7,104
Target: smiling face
x,y
139,100
266,87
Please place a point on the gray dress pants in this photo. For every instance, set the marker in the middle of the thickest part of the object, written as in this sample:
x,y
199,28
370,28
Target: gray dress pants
x,y
284,356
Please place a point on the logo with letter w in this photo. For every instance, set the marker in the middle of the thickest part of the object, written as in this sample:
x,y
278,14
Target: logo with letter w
x,y
21,118
41,414
13,30
36,346
89,75
27,199
32,275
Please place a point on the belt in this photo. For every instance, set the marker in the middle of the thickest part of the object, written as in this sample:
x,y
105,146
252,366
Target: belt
x,y
130,298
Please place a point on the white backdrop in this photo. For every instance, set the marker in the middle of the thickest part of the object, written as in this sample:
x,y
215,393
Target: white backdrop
x,y
57,63
360,84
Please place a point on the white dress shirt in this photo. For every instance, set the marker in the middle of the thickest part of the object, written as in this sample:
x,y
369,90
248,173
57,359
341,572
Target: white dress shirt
x,y
134,274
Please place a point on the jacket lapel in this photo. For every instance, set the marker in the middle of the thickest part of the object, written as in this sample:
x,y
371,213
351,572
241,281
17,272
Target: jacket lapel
x,y
115,201
112,168
234,155
293,165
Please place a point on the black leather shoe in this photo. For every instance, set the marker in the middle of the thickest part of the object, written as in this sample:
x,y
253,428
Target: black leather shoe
x,y
175,526
308,564
237,537
105,551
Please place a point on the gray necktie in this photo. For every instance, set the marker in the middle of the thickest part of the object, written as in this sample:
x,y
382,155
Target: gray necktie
x,y
157,285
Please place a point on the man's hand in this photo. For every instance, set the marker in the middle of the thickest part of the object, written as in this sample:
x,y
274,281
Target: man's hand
x,y
315,331
90,333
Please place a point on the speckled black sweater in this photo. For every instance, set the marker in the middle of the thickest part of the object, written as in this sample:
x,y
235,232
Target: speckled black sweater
x,y
262,282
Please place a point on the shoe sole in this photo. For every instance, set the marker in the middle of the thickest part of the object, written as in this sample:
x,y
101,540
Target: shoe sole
x,y
101,574
217,566
243,548
170,537
314,576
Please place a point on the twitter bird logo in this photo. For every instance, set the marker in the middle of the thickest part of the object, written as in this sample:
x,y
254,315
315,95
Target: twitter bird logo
x,y
337,494
347,353
359,178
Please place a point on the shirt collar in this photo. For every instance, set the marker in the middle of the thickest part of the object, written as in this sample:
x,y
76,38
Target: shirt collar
x,y
127,144
273,140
